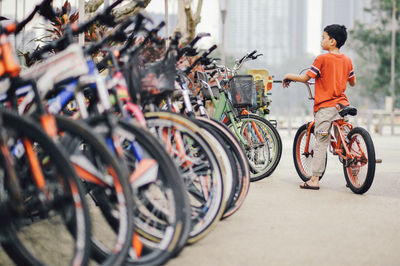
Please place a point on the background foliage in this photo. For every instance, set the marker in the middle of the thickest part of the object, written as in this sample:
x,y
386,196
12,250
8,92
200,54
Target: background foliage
x,y
372,43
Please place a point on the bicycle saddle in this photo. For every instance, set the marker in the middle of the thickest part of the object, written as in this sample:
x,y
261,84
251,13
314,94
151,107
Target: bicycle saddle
x,y
346,110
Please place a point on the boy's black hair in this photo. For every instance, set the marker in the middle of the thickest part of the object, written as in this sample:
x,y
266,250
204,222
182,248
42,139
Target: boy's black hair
x,y
337,32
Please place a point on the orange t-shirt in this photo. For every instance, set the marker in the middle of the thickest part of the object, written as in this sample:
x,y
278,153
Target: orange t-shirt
x,y
331,73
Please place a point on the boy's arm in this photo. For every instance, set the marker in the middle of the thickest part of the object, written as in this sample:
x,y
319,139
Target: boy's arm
x,y
294,77
352,81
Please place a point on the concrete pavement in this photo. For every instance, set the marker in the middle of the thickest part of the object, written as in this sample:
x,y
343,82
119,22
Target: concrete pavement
x,y
280,224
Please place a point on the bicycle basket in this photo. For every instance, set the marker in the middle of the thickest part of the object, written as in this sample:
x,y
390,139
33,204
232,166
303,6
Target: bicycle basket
x,y
154,78
243,90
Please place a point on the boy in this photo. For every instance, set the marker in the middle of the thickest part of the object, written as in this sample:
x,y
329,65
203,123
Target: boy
x,y
331,72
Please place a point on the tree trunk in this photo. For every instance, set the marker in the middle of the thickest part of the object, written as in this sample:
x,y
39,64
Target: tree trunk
x,y
120,11
187,21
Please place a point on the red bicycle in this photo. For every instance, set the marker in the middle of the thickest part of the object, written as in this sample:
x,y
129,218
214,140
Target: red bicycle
x,y
353,146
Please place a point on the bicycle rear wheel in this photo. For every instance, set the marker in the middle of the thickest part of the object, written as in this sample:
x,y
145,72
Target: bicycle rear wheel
x,y
54,227
360,171
302,161
263,145
242,172
228,167
198,166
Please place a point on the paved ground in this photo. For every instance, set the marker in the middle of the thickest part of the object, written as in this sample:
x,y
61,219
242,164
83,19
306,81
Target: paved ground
x,y
279,224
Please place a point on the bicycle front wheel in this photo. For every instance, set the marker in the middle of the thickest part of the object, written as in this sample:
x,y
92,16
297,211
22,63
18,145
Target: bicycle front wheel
x,y
53,228
360,171
108,190
302,160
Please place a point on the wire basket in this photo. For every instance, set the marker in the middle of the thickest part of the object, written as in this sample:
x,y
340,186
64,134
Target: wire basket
x,y
243,90
151,79
157,78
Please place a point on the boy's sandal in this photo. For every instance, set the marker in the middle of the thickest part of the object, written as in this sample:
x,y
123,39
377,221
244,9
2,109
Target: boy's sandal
x,y
307,186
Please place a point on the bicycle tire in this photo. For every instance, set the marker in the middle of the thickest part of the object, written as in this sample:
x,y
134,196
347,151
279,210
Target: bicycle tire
x,y
227,157
67,206
302,162
273,147
240,161
160,239
106,232
359,138
207,217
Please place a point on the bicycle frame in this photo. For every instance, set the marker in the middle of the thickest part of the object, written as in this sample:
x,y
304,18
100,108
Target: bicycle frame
x,y
338,143
224,106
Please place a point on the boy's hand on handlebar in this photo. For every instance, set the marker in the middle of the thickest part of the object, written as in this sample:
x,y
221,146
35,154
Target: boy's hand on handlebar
x,y
286,82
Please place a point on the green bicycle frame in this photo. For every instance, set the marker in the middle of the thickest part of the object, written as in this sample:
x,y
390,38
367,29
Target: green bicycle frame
x,y
222,107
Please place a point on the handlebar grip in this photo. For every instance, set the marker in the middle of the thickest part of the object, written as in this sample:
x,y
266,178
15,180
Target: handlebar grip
x,y
104,17
252,53
44,8
204,55
287,80
213,73
198,37
160,26
247,56
48,47
210,50
210,67
110,7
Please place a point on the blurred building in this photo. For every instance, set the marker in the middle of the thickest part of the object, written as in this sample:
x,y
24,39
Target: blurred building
x,y
278,29
344,12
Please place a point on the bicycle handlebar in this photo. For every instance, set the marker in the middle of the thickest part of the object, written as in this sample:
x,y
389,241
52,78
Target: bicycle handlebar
x,y
252,53
189,50
310,95
246,56
44,8
198,37
204,55
104,17
118,35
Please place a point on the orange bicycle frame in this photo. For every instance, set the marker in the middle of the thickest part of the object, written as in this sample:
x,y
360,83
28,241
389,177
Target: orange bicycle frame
x,y
334,142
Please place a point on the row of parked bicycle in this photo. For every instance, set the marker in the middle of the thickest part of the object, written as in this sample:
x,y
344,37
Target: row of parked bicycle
x,y
118,161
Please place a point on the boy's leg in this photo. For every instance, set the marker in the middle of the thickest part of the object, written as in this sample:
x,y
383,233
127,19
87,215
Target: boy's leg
x,y
323,122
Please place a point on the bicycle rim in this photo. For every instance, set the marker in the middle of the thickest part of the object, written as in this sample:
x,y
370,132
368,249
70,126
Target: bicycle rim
x,y
242,173
360,171
263,145
198,167
303,161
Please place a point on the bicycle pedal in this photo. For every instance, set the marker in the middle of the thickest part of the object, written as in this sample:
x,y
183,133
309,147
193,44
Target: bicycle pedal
x,y
378,160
